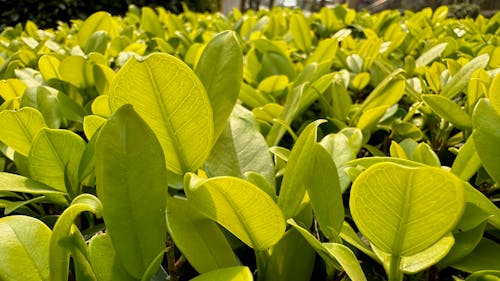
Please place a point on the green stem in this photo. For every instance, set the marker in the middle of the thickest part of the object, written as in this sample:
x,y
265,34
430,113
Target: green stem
x,y
395,273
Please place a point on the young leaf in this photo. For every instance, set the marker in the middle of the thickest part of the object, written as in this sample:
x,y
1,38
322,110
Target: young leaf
x,y
424,154
199,239
387,92
25,249
467,161
236,273
220,69
412,197
54,159
241,207
132,185
59,253
20,127
102,256
300,32
459,81
173,102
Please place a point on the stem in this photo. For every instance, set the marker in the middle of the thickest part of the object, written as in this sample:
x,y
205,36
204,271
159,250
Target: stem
x,y
172,269
394,273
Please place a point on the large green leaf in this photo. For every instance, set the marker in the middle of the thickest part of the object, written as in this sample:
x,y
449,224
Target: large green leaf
x,y
241,207
241,148
24,249
220,69
403,210
55,157
486,137
132,185
236,273
103,259
459,81
199,239
292,259
61,241
173,102
20,127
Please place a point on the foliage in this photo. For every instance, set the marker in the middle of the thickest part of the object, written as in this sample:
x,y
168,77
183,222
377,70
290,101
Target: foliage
x,y
267,145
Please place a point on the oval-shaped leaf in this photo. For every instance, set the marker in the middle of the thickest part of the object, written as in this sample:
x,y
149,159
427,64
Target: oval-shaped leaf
x,y
97,21
173,102
220,69
403,210
199,239
25,249
132,185
240,149
459,81
103,259
20,127
55,157
300,32
430,55
241,207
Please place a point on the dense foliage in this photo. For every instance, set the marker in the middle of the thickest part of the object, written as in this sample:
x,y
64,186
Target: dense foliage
x,y
267,145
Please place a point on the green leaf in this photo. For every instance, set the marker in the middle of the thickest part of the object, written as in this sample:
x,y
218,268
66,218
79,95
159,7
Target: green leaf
x,y
103,259
16,183
325,51
465,242
424,259
298,171
292,259
240,149
494,93
59,250
325,194
369,119
20,127
220,69
274,63
424,154
486,256
449,111
55,157
300,32
236,273
241,207
150,23
335,255
474,196
350,236
388,92
173,102
11,88
430,55
91,124
199,239
467,162
418,207
459,81
484,275
77,71
486,137
132,185
25,249
97,42
96,22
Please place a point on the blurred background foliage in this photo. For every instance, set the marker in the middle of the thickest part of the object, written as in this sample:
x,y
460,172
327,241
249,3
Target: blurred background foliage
x,y
47,13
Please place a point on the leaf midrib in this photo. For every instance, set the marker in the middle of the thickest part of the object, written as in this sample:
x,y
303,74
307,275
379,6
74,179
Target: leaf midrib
x,y
403,222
